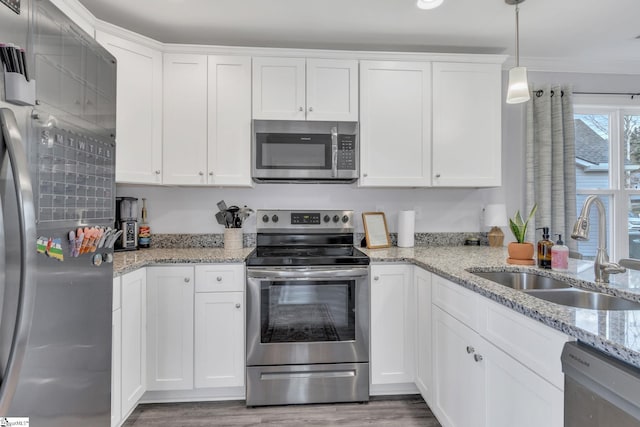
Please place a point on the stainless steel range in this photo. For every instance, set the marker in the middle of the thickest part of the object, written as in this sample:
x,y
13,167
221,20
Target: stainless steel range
x,y
307,310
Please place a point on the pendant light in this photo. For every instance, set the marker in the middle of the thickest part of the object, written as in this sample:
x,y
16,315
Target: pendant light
x,y
518,89
429,4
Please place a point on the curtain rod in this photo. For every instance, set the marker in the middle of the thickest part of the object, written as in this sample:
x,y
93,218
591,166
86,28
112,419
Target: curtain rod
x,y
540,92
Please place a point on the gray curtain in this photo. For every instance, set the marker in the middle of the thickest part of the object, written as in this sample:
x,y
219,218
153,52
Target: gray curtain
x,y
551,162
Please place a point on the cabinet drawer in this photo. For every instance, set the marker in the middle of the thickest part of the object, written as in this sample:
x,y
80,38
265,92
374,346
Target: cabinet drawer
x,y
459,302
220,278
533,344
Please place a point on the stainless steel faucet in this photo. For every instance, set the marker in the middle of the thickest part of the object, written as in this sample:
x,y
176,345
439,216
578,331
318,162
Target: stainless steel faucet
x,y
601,266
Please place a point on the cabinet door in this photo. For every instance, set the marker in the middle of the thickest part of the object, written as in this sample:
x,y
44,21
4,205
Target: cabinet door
x,y
395,124
515,396
458,394
116,367
134,354
170,292
279,88
219,348
422,281
332,89
467,109
229,124
185,119
139,110
392,324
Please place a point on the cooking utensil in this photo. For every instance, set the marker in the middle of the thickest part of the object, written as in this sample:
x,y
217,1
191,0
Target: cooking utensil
x,y
221,218
222,205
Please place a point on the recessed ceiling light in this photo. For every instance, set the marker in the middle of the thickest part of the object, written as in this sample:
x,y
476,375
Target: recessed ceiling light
x,y
429,4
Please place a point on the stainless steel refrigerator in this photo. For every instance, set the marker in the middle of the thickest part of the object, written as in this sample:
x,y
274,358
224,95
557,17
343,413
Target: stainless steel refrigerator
x,y
57,179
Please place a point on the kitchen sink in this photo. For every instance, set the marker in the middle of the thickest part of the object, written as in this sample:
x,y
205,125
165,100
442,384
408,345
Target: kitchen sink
x,y
557,291
522,280
585,299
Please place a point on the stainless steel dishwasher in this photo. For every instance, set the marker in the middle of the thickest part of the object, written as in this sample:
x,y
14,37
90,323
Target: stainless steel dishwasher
x,y
599,390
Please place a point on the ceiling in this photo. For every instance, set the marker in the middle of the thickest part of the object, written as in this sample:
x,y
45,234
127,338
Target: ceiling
x,y
578,29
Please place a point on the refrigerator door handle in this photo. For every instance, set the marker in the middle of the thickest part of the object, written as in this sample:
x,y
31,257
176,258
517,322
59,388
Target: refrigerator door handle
x,y
14,148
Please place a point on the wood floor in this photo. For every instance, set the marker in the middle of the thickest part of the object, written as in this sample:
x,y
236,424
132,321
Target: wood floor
x,y
405,411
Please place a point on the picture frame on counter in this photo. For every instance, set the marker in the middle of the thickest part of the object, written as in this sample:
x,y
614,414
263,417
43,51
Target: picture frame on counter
x,y
376,232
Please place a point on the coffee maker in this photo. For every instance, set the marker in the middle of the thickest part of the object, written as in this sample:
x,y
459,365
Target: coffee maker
x,y
127,221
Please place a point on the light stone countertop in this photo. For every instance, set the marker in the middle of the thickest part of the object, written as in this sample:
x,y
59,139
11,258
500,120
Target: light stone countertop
x,y
614,332
125,262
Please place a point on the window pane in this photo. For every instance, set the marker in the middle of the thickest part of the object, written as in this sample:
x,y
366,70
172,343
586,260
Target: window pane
x,y
592,151
589,248
631,134
634,227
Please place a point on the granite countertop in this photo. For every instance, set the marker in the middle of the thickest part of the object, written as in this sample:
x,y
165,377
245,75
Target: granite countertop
x,y
616,333
125,262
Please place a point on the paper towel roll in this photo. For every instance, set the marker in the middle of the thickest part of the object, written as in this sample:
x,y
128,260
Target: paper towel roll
x,y
406,228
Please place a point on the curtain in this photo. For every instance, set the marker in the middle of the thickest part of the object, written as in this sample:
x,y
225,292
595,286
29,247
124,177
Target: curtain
x,y
551,162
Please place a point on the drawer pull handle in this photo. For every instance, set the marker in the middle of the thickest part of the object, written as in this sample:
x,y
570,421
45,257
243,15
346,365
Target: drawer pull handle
x,y
219,278
187,280
477,357
470,349
238,305
376,278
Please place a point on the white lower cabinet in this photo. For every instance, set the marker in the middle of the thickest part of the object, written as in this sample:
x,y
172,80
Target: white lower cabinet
x,y
134,356
116,353
392,325
219,355
170,302
219,326
479,377
422,283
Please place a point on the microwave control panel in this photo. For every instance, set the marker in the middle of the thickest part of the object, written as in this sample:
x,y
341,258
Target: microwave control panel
x,y
347,152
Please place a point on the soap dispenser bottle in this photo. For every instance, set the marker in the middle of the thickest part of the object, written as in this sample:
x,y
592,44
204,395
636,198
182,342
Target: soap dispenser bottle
x,y
544,249
560,255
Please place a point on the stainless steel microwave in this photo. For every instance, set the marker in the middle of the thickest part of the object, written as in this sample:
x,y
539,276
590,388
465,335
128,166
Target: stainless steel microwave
x,y
305,151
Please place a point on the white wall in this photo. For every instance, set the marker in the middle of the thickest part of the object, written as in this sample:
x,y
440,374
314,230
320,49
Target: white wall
x,y
191,210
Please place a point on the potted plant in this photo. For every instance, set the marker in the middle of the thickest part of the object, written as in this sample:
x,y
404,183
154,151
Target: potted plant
x,y
520,252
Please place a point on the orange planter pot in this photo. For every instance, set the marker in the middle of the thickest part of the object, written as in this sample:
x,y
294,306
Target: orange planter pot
x,y
520,253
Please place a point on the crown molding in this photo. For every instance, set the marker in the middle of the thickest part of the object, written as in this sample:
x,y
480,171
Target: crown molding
x,y
577,65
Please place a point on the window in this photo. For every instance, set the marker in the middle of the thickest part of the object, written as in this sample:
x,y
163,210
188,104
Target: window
x,y
608,165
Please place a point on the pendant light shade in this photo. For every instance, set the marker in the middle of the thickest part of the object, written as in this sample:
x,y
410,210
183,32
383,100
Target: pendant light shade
x,y
518,89
429,4
518,86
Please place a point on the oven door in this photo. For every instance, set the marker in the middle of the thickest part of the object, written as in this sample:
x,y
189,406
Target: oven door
x,y
307,316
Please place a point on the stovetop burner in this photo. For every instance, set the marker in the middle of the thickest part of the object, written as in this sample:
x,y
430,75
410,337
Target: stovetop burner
x,y
305,238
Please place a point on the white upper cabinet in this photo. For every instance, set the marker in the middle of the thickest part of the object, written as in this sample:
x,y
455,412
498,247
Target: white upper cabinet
x,y
229,124
332,89
139,110
467,108
207,120
299,89
185,119
395,124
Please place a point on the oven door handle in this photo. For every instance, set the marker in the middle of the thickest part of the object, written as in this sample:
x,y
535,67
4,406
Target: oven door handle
x,y
308,274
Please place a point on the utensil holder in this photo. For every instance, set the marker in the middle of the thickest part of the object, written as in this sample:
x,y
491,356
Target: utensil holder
x,y
233,238
19,91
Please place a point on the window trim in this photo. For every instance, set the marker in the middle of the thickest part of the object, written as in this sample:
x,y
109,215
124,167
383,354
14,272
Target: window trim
x,y
616,108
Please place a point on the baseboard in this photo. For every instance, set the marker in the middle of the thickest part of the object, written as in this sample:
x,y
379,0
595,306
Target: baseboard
x,y
195,395
392,389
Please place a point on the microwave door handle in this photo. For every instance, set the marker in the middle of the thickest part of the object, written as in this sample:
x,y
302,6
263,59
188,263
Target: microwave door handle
x,y
334,152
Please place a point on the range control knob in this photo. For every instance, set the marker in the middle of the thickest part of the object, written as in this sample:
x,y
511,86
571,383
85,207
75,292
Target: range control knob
x,y
265,218
336,218
275,218
326,218
345,219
